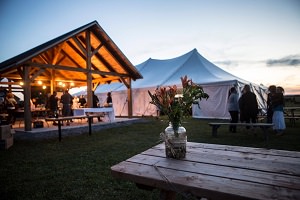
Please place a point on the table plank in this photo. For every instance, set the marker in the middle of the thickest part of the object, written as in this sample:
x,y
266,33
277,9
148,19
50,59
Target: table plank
x,y
263,177
198,184
217,172
253,150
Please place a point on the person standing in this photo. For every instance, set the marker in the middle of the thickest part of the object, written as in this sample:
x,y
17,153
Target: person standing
x,y
95,100
95,103
248,106
272,92
82,101
11,104
233,108
278,115
53,106
75,103
66,100
109,99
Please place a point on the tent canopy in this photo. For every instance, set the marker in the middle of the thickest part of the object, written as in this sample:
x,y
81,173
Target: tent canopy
x,y
215,81
168,72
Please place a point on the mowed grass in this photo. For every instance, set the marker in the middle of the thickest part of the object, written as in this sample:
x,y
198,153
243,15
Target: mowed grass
x,y
78,167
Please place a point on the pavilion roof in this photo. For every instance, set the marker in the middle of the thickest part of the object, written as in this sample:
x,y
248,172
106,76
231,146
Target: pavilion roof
x,y
65,59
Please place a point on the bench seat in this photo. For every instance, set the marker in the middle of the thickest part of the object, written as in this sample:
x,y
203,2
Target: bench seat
x,y
263,126
61,119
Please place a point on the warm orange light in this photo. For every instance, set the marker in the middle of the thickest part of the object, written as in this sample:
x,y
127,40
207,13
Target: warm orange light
x,y
40,82
21,83
44,87
64,85
60,83
72,84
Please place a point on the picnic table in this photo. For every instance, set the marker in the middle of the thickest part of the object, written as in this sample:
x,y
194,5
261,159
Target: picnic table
x,y
216,172
60,120
107,111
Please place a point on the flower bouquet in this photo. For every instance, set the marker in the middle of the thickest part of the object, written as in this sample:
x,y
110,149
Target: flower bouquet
x,y
176,103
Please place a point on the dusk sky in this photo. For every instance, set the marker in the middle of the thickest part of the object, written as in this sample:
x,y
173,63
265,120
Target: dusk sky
x,y
256,40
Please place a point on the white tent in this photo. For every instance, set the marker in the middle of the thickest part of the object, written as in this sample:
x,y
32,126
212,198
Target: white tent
x,y
215,81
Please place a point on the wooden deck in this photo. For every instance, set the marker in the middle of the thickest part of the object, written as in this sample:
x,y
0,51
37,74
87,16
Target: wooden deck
x,y
76,127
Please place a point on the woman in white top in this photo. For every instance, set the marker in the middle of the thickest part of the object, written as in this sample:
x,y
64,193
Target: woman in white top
x,y
233,108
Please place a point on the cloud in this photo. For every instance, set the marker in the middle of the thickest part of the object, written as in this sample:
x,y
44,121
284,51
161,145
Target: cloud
x,y
225,62
292,60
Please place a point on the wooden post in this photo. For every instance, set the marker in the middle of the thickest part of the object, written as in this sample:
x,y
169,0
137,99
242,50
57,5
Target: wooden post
x,y
89,70
27,96
52,81
129,95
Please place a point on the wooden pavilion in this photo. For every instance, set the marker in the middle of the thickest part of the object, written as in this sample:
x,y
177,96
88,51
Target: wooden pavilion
x,y
86,56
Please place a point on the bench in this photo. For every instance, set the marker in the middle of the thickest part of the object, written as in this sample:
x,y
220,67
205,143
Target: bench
x,y
59,121
263,126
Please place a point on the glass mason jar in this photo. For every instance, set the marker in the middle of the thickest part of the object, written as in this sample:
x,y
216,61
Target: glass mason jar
x,y
175,146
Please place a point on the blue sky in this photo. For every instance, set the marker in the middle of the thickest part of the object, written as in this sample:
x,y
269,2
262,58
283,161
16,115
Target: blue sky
x,y
257,40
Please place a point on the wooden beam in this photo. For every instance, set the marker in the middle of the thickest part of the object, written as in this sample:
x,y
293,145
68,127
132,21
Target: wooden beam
x,y
97,49
88,67
95,85
39,72
100,58
57,53
21,72
27,96
81,47
129,95
43,58
127,84
104,80
67,68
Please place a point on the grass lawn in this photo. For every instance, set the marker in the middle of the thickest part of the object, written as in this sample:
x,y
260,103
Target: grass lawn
x,y
79,166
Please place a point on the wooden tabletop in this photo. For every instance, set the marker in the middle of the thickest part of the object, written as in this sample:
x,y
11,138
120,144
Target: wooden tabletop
x,y
217,172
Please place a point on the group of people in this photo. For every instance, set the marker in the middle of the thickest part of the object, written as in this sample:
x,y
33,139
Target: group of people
x,y
245,108
69,103
52,104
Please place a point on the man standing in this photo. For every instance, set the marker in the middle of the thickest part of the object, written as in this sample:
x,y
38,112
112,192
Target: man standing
x,y
248,106
95,103
66,100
